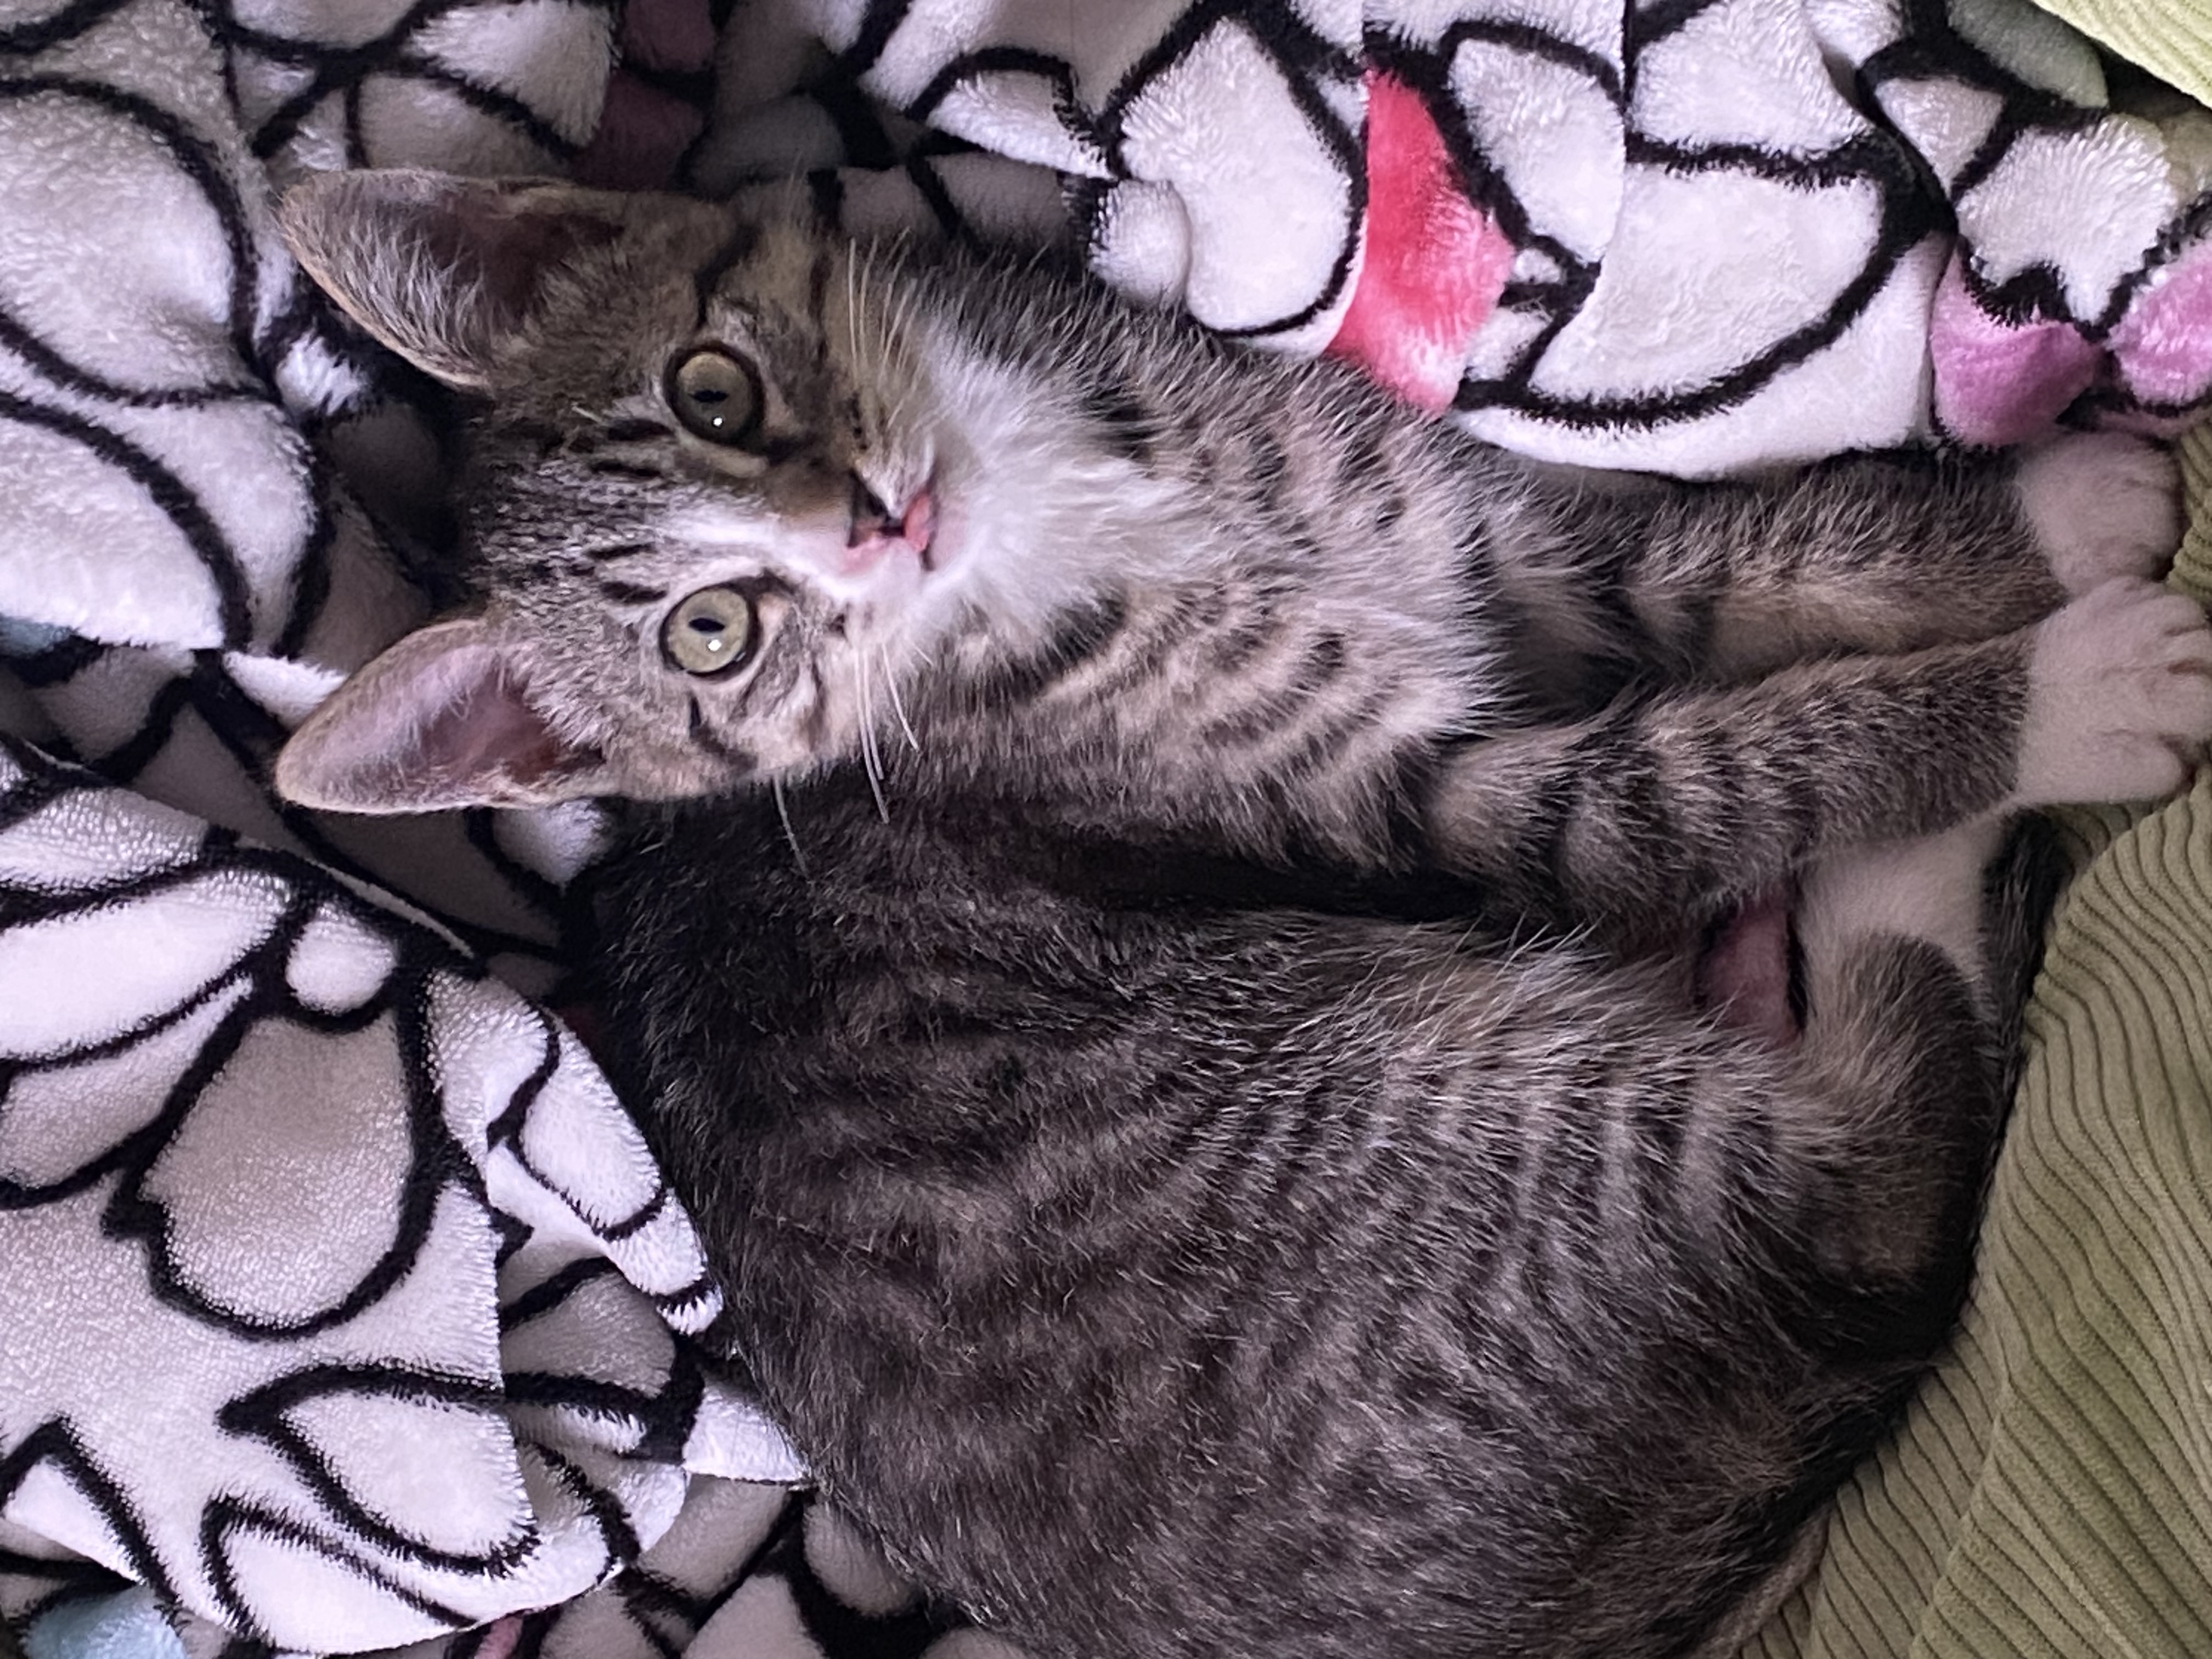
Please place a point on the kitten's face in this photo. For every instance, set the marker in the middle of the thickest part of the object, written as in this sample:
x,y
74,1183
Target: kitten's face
x,y
719,500
717,521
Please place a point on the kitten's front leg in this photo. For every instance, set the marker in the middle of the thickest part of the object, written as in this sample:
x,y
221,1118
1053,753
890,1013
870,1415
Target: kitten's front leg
x,y
1676,805
1872,553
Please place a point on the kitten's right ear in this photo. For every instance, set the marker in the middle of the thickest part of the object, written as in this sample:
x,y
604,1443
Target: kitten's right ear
x,y
441,720
440,269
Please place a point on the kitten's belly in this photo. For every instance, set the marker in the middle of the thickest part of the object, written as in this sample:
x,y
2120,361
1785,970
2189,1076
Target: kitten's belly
x,y
1745,970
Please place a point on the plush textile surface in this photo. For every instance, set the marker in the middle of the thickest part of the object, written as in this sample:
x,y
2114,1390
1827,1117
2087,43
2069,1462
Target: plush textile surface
x,y
2171,38
1689,236
341,1306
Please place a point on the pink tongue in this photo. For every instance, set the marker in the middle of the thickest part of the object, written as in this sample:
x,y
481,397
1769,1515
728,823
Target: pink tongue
x,y
1744,975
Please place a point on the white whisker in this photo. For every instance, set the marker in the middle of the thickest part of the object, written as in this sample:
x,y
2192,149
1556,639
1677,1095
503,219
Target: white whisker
x,y
867,267
783,813
895,339
890,685
852,309
902,317
871,758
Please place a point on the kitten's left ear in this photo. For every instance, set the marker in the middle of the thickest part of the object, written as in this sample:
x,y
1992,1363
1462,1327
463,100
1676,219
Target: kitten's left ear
x,y
441,269
441,720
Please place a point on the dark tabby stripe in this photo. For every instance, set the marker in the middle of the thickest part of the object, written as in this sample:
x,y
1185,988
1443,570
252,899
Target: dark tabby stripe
x,y
629,593
636,430
707,281
544,435
738,759
1325,660
1082,634
1125,426
817,281
1325,743
1233,650
1258,718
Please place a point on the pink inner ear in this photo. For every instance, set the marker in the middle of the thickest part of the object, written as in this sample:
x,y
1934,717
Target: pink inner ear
x,y
485,729
439,721
506,248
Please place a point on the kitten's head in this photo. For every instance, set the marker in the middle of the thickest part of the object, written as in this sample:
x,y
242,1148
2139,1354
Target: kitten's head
x,y
719,493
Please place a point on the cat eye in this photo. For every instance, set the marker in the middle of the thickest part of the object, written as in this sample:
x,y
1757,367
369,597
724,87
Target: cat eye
x,y
716,394
713,631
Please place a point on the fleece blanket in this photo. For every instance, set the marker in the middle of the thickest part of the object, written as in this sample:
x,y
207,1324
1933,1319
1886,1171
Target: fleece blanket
x,y
342,1308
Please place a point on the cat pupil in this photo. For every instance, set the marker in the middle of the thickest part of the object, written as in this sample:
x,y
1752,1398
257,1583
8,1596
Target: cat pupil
x,y
714,395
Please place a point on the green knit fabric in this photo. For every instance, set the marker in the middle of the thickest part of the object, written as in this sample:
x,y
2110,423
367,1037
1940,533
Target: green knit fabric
x,y
2171,38
2050,1494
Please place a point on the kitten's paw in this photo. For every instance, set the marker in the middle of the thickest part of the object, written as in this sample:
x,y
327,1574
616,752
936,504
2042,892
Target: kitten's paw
x,y
2119,702
2102,505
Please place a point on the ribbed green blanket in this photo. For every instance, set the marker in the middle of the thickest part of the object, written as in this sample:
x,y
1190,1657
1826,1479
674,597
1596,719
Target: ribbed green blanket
x,y
2051,1492
2171,38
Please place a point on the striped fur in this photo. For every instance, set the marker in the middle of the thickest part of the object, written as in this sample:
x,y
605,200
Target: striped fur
x,y
1196,1075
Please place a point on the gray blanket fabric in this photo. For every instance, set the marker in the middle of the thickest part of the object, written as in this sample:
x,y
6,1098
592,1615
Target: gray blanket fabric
x,y
341,1306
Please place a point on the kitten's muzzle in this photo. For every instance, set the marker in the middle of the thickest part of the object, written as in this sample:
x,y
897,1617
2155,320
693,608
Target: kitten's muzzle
x,y
877,528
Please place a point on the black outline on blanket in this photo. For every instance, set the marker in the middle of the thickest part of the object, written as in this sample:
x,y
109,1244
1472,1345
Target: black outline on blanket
x,y
837,1626
1301,55
51,30
1529,41
648,1599
877,24
2185,231
506,1133
651,1601
265,1414
434,1162
343,70
1932,50
1908,216
616,1536
968,67
1662,20
255,981
439,1162
249,733
1298,52
226,1517
199,161
54,1443
552,1292
168,492
72,21
205,168
48,362
1427,74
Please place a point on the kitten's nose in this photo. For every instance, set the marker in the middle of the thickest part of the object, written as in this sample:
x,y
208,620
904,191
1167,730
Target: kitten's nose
x,y
870,518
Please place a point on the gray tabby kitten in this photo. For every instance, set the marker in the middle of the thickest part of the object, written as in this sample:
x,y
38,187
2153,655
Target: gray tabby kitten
x,y
1178,1007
